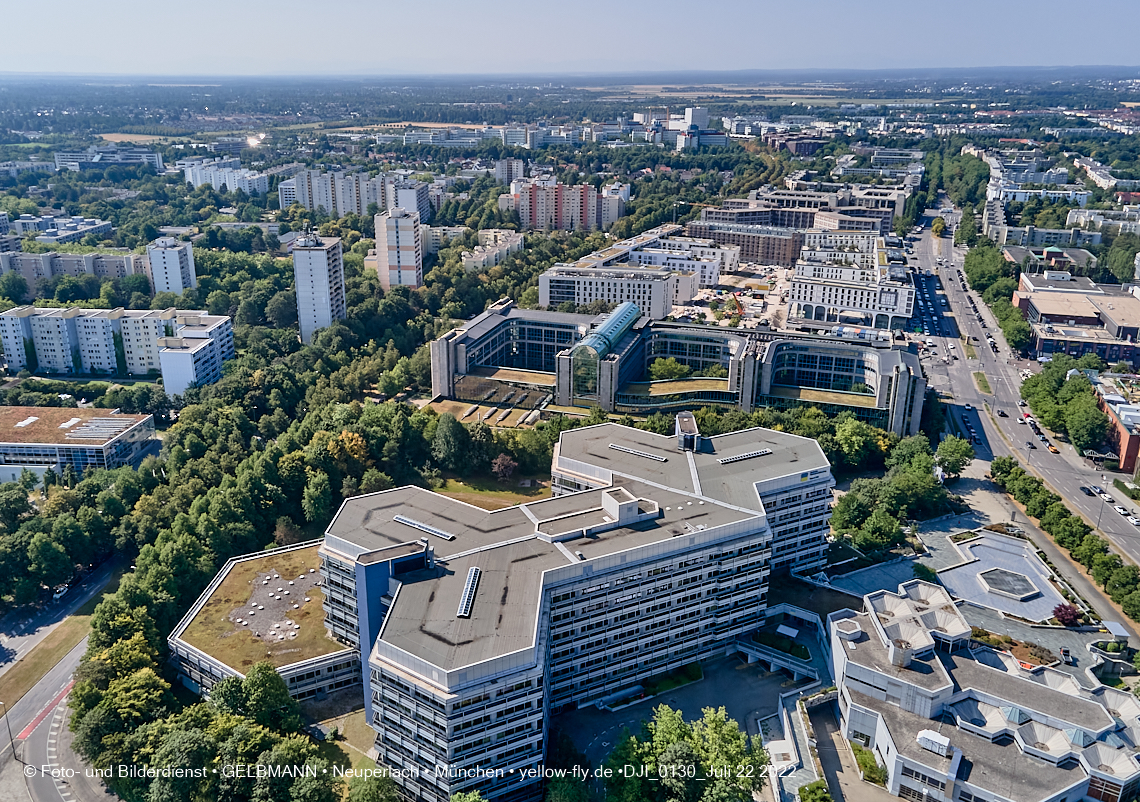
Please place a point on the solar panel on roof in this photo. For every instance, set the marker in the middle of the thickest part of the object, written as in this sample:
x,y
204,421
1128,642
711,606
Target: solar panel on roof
x,y
637,453
468,597
761,453
431,530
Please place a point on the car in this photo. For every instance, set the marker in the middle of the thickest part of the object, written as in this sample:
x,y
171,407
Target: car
x,y
1042,438
974,337
1096,489
1021,421
968,407
1029,444
1106,497
1002,414
1121,510
1087,491
1053,449
1066,656
1021,402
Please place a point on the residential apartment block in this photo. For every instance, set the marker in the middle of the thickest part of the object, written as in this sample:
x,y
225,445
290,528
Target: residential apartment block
x,y
170,266
545,203
476,627
35,267
318,273
75,340
954,720
399,255
227,173
338,194
495,244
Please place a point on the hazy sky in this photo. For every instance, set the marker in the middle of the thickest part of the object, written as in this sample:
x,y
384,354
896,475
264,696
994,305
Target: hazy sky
x,y
385,37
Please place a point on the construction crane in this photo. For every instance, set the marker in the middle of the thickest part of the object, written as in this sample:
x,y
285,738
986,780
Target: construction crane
x,y
691,203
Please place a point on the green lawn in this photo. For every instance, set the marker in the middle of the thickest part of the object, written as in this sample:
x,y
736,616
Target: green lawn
x,y
982,382
970,352
490,494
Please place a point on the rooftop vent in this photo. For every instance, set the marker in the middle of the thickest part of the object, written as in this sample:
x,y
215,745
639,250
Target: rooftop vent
x,y
740,457
70,423
468,597
26,422
637,453
431,530
934,742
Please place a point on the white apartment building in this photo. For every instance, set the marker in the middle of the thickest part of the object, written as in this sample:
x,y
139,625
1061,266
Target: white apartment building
x,y
950,719
318,273
5,225
476,626
36,266
75,340
655,290
227,173
611,204
495,245
194,357
399,258
851,286
434,237
338,194
287,193
170,266
858,248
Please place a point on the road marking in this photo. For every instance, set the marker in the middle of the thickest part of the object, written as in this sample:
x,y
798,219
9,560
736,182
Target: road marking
x,y
39,719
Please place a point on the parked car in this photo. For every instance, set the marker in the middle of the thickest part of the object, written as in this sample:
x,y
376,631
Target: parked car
x,y
1066,656
1132,519
1086,491
1108,498
1096,489
1120,509
1053,449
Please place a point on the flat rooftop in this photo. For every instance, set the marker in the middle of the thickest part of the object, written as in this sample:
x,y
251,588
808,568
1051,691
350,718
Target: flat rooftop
x,y
926,672
1005,770
236,623
729,483
64,426
504,545
1063,304
825,396
663,388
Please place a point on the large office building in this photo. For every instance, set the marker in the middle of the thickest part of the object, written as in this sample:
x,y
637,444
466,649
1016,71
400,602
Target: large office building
x,y
586,361
52,230
475,627
953,720
765,245
656,270
86,341
170,266
399,255
318,274
545,203
850,278
105,156
38,438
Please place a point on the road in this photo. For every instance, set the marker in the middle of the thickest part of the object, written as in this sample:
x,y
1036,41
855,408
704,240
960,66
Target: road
x,y
19,634
998,436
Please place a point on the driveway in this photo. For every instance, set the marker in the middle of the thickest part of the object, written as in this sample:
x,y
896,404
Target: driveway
x,y
839,767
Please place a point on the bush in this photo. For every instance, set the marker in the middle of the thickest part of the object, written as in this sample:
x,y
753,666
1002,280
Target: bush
x,y
1067,615
872,771
815,792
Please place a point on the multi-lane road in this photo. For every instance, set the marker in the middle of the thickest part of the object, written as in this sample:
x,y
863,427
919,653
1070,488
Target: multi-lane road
x,y
957,324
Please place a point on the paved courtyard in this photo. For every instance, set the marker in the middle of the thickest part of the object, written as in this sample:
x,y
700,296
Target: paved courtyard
x,y
747,692
1003,573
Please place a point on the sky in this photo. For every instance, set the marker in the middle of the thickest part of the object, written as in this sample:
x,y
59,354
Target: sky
x,y
521,37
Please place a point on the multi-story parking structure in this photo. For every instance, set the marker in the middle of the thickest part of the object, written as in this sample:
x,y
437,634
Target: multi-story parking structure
x,y
477,626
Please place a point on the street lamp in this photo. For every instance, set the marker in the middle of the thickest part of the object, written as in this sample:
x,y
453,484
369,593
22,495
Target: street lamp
x,y
10,738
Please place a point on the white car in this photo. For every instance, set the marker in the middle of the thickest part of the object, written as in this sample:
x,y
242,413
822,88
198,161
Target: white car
x,y
1106,497
1120,509
1132,519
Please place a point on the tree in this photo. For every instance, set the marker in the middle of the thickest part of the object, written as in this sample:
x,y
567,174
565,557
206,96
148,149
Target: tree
x,y
450,445
281,310
286,533
667,369
372,789
907,449
1122,367
1067,615
1131,607
815,792
268,701
879,531
466,796
48,562
317,499
503,467
954,454
938,227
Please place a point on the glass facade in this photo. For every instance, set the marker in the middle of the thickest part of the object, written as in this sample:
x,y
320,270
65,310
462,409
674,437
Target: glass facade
x,y
522,344
797,368
584,366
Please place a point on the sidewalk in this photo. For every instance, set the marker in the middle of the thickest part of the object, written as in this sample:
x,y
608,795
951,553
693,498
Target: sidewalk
x,y
793,782
839,767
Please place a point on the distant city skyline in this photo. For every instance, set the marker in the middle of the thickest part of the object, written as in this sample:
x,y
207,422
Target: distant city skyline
x,y
126,37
